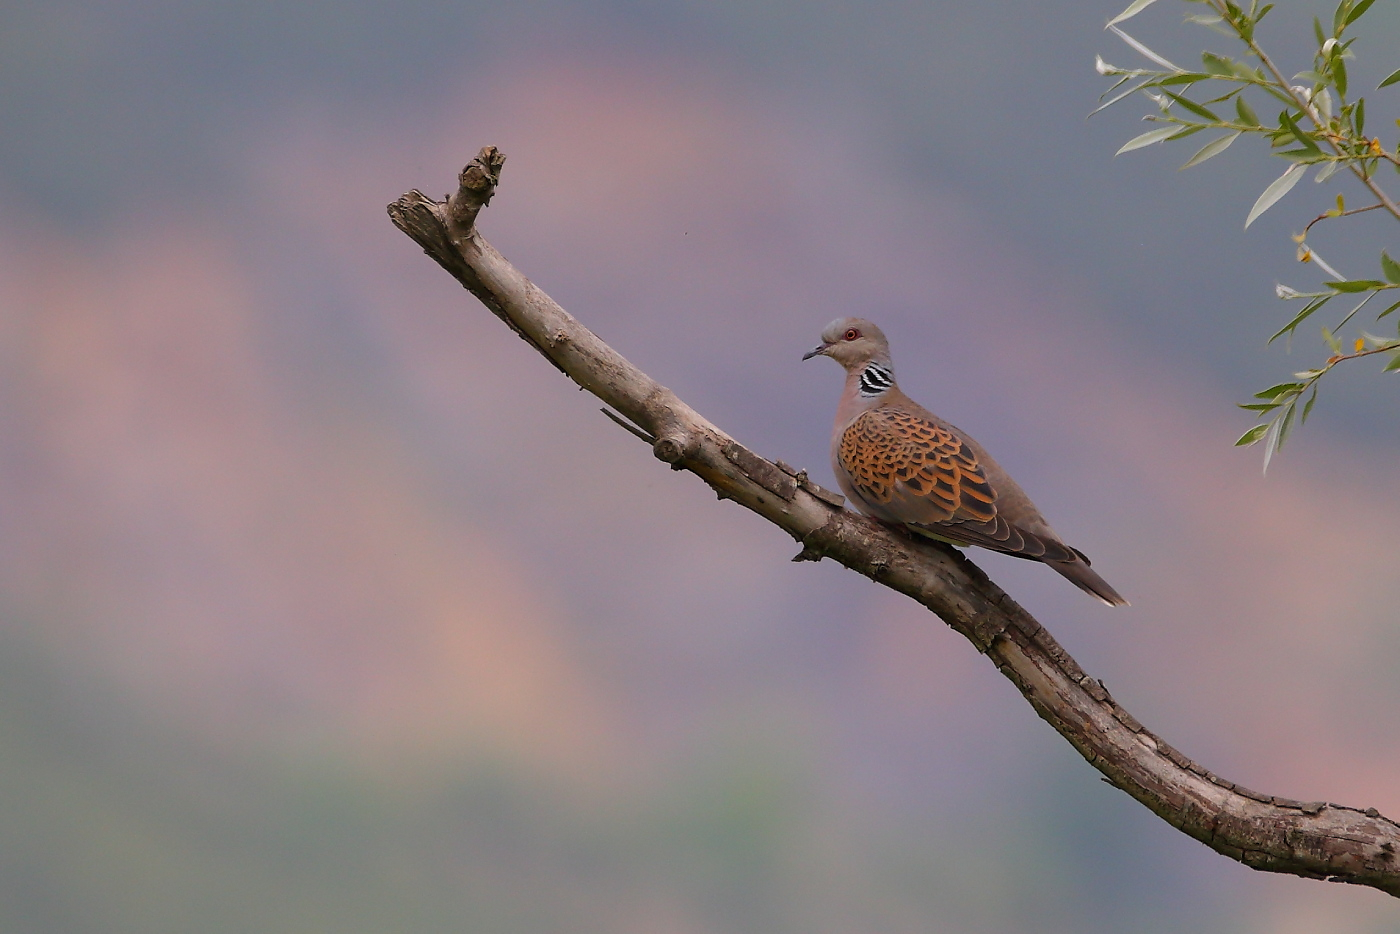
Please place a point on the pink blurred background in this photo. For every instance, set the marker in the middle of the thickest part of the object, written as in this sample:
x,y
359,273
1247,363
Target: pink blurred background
x,y
330,606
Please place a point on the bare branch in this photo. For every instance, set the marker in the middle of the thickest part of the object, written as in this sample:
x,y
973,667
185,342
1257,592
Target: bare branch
x,y
1326,215
1317,840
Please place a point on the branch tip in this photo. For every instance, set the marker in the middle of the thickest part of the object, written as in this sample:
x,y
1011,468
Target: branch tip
x,y
476,185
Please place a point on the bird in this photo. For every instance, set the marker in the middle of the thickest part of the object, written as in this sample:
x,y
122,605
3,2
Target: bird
x,y
898,462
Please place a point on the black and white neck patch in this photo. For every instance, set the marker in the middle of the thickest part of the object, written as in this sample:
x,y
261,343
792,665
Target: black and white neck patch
x,y
875,379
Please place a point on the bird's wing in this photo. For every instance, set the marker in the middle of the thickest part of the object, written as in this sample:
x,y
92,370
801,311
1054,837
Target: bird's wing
x,y
927,476
1001,535
888,452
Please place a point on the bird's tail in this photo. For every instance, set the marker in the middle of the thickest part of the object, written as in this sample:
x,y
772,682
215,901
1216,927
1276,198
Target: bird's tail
x,y
1087,579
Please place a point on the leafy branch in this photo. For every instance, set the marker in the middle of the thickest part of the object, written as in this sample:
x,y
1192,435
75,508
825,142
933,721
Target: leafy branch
x,y
1318,126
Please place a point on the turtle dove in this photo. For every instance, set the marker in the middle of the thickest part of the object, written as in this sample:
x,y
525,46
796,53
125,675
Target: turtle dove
x,y
898,462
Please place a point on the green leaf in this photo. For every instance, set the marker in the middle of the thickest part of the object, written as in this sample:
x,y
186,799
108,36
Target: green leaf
x,y
1327,171
1276,190
1282,389
1271,442
1317,31
1263,12
1287,425
1222,98
1246,113
1360,115
1134,8
1301,136
1390,267
1387,311
1148,138
1142,49
1339,72
1300,317
1216,65
1187,130
1185,77
1251,436
1391,79
1393,365
1214,148
1259,406
1357,11
1307,407
1109,103
1192,106
1355,285
1243,25
1278,92
1339,19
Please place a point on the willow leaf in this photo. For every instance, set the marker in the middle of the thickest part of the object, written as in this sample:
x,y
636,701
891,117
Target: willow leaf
x,y
1276,190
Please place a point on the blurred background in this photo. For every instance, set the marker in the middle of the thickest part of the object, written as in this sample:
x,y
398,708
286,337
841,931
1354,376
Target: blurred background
x,y
326,605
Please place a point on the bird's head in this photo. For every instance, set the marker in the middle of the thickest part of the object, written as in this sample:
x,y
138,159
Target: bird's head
x,y
852,342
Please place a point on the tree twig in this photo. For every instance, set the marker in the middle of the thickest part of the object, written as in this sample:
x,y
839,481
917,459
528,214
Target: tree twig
x,y
1305,106
1324,216
1317,839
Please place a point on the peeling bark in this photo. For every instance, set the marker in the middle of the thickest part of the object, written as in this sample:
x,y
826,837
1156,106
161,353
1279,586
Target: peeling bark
x,y
1318,840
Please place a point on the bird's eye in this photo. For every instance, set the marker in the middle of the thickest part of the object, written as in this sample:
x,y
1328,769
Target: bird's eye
x,y
852,334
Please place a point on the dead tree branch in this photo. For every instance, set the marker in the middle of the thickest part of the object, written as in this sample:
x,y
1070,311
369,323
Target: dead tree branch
x,y
1318,840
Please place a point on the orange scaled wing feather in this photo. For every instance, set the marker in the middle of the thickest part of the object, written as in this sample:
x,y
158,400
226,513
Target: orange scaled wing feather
x,y
885,447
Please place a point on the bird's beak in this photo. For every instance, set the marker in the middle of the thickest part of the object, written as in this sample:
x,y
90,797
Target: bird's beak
x,y
819,351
